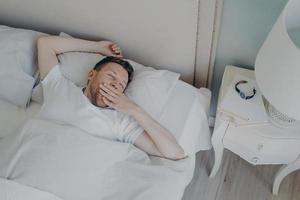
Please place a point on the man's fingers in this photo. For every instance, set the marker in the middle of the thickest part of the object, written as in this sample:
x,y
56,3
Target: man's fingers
x,y
108,88
117,52
108,96
112,93
107,102
115,48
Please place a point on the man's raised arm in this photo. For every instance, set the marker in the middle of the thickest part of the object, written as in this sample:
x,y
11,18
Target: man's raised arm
x,y
49,46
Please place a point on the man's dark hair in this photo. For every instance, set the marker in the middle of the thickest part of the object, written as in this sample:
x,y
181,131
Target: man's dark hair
x,y
110,59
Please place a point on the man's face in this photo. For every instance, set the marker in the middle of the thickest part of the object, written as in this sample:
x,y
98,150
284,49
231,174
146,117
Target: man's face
x,y
112,74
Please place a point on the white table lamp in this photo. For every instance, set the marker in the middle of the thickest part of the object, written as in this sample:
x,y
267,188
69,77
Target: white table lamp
x,y
277,67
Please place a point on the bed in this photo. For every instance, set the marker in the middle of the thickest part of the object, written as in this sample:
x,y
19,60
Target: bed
x,y
38,157
150,178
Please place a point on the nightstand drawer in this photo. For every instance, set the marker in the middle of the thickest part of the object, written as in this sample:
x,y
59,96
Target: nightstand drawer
x,y
246,154
256,149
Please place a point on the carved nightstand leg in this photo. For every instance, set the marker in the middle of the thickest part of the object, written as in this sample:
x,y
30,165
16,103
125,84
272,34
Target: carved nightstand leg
x,y
218,146
283,172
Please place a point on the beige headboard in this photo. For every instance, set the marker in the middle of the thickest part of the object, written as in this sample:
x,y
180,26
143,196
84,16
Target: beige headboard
x,y
162,34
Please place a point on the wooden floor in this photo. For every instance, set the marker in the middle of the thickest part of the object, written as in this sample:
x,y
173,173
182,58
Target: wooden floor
x,y
238,180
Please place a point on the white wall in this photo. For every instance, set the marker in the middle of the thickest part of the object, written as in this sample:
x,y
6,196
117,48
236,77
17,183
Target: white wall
x,y
245,25
160,34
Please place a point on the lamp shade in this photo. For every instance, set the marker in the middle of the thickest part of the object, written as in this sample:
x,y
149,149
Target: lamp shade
x,y
277,65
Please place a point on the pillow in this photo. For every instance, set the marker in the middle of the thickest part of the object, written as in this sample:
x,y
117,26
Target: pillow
x,y
75,66
149,88
17,66
15,86
190,127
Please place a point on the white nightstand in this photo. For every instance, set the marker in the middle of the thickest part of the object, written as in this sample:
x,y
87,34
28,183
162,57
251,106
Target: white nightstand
x,y
258,144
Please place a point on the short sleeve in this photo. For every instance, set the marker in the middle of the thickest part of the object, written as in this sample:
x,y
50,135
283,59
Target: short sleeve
x,y
57,93
53,75
52,83
128,129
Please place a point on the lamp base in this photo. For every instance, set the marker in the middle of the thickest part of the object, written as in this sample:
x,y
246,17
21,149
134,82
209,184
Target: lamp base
x,y
279,119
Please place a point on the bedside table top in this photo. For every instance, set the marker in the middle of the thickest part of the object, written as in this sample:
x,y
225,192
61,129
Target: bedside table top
x,y
267,130
228,76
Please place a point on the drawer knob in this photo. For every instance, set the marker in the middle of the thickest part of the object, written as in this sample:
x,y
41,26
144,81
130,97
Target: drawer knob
x,y
255,159
259,147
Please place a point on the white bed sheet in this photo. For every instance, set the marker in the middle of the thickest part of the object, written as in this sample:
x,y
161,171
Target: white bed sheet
x,y
11,190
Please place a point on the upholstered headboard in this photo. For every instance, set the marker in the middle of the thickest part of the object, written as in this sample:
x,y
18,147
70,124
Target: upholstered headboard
x,y
162,34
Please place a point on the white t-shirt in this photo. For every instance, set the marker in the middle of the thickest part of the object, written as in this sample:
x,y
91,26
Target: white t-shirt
x,y
65,103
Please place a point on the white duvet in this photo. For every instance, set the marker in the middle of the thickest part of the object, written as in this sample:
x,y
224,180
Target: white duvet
x,y
67,163
10,190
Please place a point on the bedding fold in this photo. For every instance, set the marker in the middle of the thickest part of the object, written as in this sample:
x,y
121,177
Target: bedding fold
x,y
10,190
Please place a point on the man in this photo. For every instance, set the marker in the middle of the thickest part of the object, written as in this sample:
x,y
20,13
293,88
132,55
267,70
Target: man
x,y
105,88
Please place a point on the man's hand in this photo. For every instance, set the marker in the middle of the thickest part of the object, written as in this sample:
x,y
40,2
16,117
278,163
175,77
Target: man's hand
x,y
109,48
117,100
